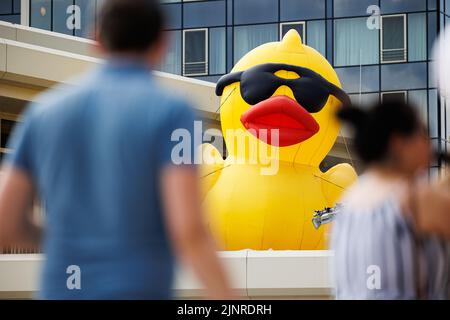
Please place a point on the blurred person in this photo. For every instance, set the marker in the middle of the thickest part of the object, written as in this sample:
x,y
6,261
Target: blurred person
x,y
99,157
378,252
431,210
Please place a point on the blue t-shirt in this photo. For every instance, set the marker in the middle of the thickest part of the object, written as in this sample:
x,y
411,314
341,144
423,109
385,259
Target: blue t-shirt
x,y
95,152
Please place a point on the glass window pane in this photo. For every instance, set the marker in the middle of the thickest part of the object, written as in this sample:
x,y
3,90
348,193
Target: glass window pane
x,y
229,12
447,113
217,51
393,39
433,113
365,100
393,96
393,32
87,8
6,7
60,16
397,6
403,76
432,76
432,31
173,14
347,8
230,47
350,79
255,11
316,35
204,14
12,18
195,55
355,43
419,99
195,46
40,14
330,41
172,59
247,38
299,27
16,6
417,37
292,10
432,4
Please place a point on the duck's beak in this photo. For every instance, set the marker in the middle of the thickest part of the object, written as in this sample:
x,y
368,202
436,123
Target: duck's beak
x,y
282,116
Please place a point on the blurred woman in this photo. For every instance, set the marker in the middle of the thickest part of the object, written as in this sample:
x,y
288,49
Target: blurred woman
x,y
378,253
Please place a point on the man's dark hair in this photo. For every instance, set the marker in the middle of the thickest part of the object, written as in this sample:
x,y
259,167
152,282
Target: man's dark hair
x,y
130,25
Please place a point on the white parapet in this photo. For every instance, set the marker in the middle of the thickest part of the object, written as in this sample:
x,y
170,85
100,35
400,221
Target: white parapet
x,y
253,274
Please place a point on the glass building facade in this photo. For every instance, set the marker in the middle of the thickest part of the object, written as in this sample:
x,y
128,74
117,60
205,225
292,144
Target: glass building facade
x,y
381,49
10,11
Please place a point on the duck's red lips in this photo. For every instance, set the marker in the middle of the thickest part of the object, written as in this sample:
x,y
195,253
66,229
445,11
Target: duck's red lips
x,y
293,122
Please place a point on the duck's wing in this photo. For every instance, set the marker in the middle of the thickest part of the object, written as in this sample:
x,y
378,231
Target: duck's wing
x,y
211,167
336,180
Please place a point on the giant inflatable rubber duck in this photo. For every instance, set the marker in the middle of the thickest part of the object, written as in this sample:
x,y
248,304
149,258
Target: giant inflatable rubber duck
x,y
289,87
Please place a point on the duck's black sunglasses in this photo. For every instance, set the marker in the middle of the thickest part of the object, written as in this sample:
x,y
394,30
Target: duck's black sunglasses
x,y
259,83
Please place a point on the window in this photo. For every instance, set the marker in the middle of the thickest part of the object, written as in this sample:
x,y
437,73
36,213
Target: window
x,y
292,10
87,16
299,26
349,8
172,60
203,14
395,6
173,16
356,79
315,33
393,38
40,14
419,100
393,96
6,127
354,43
255,11
60,16
417,37
195,52
247,38
217,51
365,100
403,76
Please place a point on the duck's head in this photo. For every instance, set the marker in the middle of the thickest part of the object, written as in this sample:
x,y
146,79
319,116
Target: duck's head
x,y
287,86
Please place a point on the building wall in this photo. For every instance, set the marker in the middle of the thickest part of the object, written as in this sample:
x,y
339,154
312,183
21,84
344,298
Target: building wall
x,y
207,37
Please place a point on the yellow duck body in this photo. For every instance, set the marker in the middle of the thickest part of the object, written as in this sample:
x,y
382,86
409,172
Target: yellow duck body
x,y
249,209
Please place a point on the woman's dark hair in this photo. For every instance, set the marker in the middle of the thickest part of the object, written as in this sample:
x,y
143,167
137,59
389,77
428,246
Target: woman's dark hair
x,y
130,25
374,127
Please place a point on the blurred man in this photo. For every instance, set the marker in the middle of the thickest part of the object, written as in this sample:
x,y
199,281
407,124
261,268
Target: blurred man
x,y
99,157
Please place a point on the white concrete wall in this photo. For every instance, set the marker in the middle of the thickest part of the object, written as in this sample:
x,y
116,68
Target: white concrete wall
x,y
254,275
